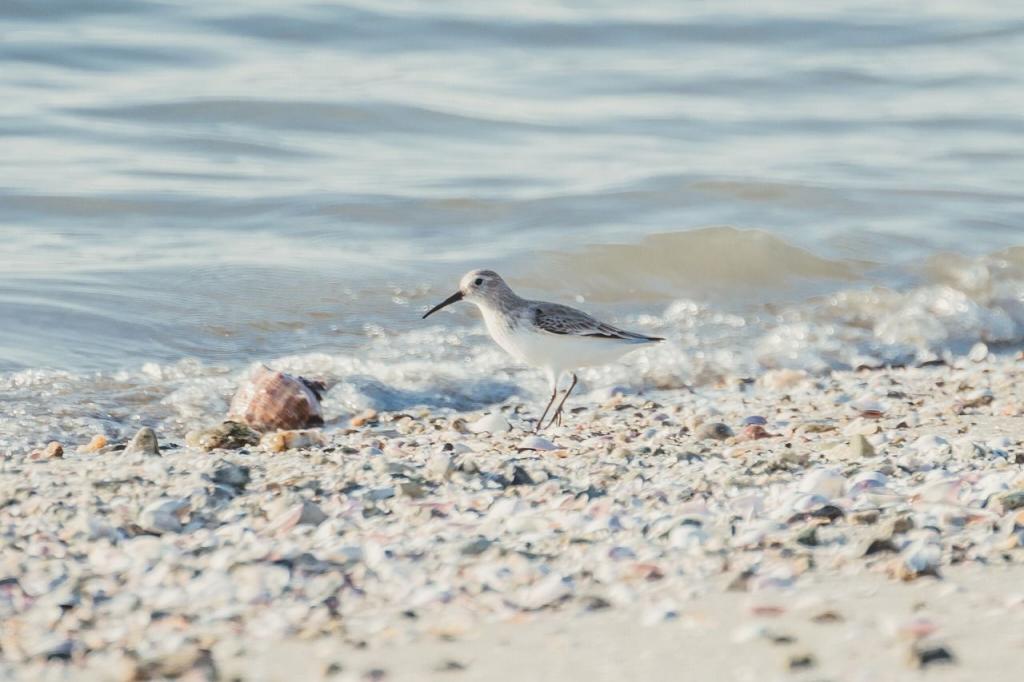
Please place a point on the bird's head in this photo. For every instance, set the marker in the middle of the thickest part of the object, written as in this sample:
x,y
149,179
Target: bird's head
x,y
481,287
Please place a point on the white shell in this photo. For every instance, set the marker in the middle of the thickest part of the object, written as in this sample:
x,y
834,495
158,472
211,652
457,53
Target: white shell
x,y
805,504
1000,443
931,445
867,480
546,591
304,513
991,485
826,482
755,533
163,515
868,403
966,448
490,423
921,556
748,506
536,443
942,490
687,537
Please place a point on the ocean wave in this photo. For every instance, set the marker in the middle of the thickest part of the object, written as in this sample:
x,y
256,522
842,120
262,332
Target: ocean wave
x,y
959,303
702,262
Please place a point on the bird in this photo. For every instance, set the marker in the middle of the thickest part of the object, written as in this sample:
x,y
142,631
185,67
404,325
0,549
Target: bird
x,y
548,336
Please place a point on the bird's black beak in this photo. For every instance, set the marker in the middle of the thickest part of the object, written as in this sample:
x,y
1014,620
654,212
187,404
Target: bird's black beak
x,y
454,298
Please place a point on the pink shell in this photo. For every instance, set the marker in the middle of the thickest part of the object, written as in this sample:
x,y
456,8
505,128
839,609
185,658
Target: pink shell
x,y
272,400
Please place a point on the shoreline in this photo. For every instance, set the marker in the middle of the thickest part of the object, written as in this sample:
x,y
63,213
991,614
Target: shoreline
x,y
653,515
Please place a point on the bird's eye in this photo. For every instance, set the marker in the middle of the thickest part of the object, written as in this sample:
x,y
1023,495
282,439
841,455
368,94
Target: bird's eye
x,y
479,281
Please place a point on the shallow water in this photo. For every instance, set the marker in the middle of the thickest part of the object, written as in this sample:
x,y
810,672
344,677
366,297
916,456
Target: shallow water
x,y
187,189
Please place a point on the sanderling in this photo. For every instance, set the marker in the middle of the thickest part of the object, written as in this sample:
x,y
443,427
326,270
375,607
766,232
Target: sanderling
x,y
549,336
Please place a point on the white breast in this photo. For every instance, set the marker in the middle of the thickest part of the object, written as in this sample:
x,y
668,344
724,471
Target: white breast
x,y
503,334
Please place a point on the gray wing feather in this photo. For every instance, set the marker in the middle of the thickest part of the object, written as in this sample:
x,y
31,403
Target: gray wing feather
x,y
561,319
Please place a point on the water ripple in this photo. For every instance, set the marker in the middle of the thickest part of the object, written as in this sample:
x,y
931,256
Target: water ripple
x,y
251,179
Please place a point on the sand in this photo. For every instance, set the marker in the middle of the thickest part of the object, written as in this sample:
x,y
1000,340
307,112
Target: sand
x,y
849,629
857,526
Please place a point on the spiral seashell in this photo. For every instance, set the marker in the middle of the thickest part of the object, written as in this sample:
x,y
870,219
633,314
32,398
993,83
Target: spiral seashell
x,y
272,400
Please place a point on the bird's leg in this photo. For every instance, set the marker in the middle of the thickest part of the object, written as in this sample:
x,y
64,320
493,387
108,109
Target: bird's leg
x,y
554,392
558,411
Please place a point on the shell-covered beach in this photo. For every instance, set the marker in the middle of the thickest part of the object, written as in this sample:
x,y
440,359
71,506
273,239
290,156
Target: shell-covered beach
x,y
770,511
209,208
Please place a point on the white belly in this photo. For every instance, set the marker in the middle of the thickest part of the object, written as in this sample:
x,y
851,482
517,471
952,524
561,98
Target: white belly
x,y
555,352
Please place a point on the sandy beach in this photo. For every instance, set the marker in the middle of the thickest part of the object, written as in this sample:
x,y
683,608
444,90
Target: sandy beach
x,y
839,627
860,525
803,221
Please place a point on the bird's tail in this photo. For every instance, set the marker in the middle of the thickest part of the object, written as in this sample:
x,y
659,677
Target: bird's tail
x,y
633,337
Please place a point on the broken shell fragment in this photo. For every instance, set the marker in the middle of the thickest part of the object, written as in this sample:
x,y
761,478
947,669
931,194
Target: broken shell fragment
x,y
754,432
98,442
279,441
363,418
920,558
53,450
164,516
144,442
225,436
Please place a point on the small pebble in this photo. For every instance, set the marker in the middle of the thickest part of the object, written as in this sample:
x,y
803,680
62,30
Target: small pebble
x,y
364,418
924,654
801,661
98,442
713,431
